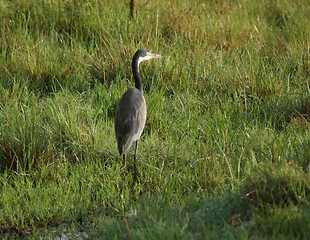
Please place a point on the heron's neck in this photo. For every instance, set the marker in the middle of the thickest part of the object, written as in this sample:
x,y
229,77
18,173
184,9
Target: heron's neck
x,y
137,76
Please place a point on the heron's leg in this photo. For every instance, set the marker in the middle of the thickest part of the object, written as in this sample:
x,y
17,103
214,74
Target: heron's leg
x,y
135,162
136,151
123,185
125,167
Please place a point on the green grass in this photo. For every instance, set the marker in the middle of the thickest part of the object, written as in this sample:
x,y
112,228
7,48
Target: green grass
x,y
226,147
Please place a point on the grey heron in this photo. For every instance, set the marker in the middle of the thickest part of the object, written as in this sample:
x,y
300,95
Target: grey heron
x,y
130,115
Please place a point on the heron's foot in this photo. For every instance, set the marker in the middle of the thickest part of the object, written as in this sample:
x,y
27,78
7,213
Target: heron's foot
x,y
134,172
136,175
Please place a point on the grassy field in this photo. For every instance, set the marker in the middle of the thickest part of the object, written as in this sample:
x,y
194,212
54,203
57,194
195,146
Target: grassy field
x,y
226,147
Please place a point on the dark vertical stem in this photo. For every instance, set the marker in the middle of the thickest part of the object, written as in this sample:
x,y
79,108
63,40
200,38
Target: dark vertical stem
x,y
132,8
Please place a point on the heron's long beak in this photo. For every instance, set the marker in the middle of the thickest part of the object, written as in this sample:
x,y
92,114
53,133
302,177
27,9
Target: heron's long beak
x,y
153,55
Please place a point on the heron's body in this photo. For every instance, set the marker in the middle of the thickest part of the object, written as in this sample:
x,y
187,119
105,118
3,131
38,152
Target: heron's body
x,y
130,115
129,119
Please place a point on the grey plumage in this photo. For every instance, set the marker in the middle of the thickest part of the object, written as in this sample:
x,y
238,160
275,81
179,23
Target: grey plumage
x,y
130,115
129,119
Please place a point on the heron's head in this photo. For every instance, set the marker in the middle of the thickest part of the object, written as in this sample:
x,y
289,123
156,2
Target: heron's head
x,y
144,55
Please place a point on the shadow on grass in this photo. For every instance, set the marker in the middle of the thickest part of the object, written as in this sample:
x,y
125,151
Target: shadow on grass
x,y
158,218
293,111
279,185
279,198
